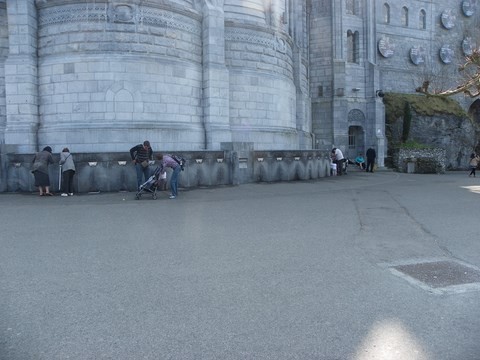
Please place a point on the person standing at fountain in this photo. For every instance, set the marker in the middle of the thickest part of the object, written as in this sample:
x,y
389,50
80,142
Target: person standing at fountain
x,y
338,159
168,161
40,170
141,154
68,170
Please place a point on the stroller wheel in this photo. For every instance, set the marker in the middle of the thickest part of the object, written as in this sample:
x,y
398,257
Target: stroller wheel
x,y
154,196
137,197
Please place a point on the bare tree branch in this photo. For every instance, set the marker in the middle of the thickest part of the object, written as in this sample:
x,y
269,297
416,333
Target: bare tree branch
x,y
470,85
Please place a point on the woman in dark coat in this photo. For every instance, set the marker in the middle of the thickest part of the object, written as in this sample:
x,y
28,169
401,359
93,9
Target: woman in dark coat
x,y
40,170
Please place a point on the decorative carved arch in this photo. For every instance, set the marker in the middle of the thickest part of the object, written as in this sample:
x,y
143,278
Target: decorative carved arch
x,y
422,20
121,91
386,13
356,116
353,55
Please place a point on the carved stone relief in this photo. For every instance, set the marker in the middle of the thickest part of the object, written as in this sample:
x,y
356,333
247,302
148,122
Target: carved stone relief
x,y
119,13
469,7
78,13
468,44
356,116
448,19
446,54
122,13
269,40
386,47
418,55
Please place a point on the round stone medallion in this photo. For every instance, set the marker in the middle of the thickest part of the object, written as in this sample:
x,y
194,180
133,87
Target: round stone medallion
x,y
469,7
446,54
468,44
418,55
385,47
448,19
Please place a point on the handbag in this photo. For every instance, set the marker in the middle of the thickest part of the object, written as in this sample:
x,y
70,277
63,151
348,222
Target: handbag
x,y
36,165
144,163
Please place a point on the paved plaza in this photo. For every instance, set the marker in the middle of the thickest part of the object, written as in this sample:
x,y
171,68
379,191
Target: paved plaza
x,y
358,267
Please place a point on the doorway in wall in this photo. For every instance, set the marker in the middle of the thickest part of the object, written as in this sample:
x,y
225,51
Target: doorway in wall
x,y
356,141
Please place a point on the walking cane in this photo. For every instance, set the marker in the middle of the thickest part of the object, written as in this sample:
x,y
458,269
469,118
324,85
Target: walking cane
x,y
60,178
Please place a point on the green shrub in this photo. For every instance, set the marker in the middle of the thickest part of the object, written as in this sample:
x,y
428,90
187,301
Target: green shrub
x,y
412,144
422,105
407,121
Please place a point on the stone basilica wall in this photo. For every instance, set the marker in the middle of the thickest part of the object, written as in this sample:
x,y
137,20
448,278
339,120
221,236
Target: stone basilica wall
x,y
436,48
102,75
114,75
187,75
263,92
392,56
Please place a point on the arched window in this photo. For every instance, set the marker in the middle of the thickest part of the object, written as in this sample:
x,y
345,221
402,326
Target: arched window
x,y
386,13
352,46
422,20
350,5
405,16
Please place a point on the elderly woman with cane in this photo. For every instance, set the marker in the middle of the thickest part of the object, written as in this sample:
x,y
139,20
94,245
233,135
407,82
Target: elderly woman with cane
x,y
67,170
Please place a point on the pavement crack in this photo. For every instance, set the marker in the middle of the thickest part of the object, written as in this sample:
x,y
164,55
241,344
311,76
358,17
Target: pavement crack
x,y
422,228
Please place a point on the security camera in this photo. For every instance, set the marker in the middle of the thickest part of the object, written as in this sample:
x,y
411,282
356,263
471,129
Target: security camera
x,y
380,93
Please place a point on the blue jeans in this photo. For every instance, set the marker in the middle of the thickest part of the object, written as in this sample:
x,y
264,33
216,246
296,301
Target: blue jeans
x,y
174,181
142,172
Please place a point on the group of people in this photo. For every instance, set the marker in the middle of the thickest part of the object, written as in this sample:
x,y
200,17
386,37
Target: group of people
x,y
141,155
40,171
339,160
369,166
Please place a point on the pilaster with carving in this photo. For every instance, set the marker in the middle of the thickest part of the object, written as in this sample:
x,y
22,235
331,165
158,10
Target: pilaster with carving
x,y
300,64
3,57
21,77
216,115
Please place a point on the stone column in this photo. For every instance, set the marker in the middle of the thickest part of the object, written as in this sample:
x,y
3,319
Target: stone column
x,y
377,127
371,31
21,84
216,114
3,57
300,57
380,137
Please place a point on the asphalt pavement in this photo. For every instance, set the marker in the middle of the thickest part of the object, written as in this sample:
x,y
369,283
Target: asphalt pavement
x,y
357,267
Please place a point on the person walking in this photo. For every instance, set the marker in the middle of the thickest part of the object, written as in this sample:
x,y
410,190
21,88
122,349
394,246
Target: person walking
x,y
371,156
141,154
40,170
68,170
169,161
474,160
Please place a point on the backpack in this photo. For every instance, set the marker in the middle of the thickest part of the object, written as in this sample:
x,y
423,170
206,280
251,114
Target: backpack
x,y
180,160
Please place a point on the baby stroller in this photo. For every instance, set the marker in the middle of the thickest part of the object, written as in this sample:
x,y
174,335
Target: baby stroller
x,y
345,165
151,185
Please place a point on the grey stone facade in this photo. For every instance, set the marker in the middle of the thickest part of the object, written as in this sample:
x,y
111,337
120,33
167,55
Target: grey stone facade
x,y
189,75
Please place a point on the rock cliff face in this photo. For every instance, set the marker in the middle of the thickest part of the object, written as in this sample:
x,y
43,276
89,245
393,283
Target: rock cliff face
x,y
457,135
